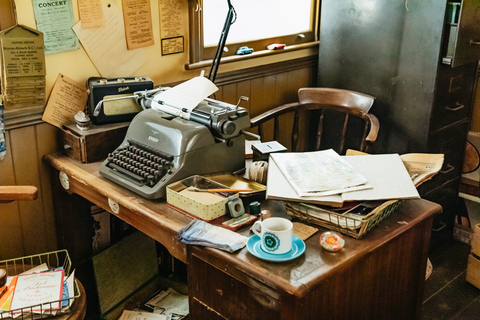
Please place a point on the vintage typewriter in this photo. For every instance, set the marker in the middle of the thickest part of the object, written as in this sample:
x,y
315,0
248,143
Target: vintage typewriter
x,y
163,147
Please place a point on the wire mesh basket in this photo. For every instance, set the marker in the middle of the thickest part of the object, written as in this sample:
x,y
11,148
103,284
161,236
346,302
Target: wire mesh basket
x,y
353,225
53,260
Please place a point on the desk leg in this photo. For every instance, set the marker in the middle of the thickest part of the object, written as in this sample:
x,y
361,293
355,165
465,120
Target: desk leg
x,y
74,233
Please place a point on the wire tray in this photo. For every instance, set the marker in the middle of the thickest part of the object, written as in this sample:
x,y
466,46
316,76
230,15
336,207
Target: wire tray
x,y
53,259
352,225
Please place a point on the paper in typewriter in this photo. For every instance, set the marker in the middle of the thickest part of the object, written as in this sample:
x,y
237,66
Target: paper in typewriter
x,y
319,173
188,94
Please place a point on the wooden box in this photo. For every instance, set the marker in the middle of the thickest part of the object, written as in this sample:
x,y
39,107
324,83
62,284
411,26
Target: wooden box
x,y
476,240
93,144
473,266
473,270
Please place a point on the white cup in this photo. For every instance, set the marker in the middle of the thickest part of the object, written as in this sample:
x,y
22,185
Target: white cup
x,y
275,235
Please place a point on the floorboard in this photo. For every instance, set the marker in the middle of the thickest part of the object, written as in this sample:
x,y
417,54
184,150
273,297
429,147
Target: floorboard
x,y
447,295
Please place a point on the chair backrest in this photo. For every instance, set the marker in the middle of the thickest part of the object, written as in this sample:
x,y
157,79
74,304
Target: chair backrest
x,y
326,118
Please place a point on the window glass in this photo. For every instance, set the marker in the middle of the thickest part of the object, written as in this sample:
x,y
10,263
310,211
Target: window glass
x,y
257,24
255,19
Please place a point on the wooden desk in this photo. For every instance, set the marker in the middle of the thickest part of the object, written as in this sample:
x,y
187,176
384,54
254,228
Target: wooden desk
x,y
152,217
380,276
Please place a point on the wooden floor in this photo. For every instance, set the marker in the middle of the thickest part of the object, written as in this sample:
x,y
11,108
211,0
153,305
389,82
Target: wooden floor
x,y
447,295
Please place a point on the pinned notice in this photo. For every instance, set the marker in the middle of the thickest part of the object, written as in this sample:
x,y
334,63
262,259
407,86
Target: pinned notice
x,y
23,67
67,98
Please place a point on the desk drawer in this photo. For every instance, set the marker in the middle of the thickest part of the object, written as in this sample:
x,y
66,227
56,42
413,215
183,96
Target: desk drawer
x,y
451,142
226,295
446,196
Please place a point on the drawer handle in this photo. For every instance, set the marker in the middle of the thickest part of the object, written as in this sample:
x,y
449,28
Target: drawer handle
x,y
449,168
474,43
459,106
442,226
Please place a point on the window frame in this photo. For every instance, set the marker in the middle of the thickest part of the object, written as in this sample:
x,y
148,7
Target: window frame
x,y
200,55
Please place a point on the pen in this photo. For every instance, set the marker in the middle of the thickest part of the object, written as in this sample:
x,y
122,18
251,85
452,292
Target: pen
x,y
219,190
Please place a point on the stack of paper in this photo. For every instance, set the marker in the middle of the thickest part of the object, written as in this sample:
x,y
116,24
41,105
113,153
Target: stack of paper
x,y
319,173
385,174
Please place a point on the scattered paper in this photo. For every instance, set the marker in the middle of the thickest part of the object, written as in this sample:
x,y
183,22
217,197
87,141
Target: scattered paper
x,y
141,315
319,173
68,97
138,23
422,166
385,172
106,45
55,20
91,13
170,303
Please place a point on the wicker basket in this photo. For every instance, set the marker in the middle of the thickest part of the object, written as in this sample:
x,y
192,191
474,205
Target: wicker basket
x,y
52,259
353,225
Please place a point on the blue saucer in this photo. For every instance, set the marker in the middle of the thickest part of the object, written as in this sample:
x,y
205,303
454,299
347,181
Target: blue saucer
x,y
254,247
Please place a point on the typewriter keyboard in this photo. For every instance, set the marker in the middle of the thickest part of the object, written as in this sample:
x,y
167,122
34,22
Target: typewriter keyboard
x,y
139,164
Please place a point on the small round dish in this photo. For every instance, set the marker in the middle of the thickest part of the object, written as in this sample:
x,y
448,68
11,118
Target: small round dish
x,y
254,247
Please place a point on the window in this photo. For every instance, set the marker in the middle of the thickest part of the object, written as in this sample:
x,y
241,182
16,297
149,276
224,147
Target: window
x,y
257,24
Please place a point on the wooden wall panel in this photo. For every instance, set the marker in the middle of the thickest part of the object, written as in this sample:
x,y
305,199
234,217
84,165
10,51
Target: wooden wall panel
x,y
28,227
229,93
26,171
47,143
11,240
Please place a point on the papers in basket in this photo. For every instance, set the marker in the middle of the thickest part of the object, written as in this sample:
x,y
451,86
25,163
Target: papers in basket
x,y
319,173
386,173
37,292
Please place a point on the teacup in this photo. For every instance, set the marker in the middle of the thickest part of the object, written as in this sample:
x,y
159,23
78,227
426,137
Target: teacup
x,y
275,234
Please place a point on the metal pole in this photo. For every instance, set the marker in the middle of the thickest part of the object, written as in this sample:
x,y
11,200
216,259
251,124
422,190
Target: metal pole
x,y
221,43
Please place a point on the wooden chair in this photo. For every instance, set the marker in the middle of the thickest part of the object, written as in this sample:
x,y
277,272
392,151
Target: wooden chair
x,y
332,118
12,193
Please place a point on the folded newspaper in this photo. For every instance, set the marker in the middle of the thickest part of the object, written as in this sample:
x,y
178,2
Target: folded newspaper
x,y
201,233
